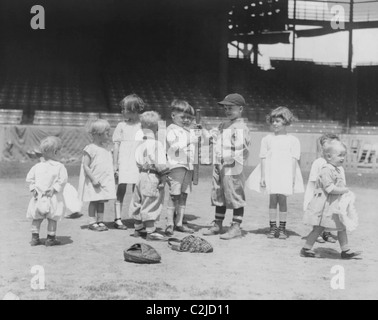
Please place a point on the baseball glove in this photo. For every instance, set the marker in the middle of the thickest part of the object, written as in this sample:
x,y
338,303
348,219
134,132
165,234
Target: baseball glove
x,y
190,244
141,253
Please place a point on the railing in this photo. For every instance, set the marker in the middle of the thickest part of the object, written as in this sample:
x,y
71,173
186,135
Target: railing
x,y
364,10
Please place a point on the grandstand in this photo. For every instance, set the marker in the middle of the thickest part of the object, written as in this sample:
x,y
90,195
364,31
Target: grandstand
x,y
92,54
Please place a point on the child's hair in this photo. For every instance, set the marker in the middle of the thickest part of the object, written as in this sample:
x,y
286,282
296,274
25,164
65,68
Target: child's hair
x,y
182,106
325,138
149,120
328,137
331,145
50,144
132,103
283,113
97,126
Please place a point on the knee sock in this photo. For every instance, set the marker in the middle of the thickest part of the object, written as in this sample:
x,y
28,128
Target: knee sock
x,y
92,220
170,214
36,226
117,209
100,217
220,213
238,216
138,225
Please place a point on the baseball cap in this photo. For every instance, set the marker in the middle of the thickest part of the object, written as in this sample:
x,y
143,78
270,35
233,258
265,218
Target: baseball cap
x,y
233,99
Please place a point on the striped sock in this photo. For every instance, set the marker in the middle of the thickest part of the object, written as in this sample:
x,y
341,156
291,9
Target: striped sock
x,y
282,225
220,213
238,215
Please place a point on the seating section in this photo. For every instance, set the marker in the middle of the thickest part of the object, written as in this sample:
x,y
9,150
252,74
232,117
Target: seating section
x,y
10,116
315,93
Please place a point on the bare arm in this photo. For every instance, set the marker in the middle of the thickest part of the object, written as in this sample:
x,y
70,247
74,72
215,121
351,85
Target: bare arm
x,y
262,182
116,155
88,172
339,190
294,168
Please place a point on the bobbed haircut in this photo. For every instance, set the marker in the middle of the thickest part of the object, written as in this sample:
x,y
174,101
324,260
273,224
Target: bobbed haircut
x,y
332,145
182,106
132,103
97,126
149,120
50,144
283,113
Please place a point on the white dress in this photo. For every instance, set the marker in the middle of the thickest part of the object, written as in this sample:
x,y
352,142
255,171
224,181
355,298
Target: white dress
x,y
314,174
279,151
101,166
129,137
44,176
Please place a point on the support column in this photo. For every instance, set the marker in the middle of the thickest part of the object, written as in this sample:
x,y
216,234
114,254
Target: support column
x,y
223,48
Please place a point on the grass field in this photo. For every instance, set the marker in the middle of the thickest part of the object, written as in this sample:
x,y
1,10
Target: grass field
x,y
90,265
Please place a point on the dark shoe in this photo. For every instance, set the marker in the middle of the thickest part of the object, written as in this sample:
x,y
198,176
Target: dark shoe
x,y
327,236
215,229
273,232
307,253
154,236
184,229
347,255
233,232
52,241
282,234
74,215
35,241
169,231
142,233
119,226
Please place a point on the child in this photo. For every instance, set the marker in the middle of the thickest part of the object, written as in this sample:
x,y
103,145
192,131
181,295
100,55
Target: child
x,y
180,156
278,174
231,152
314,174
324,211
126,137
148,197
47,180
96,183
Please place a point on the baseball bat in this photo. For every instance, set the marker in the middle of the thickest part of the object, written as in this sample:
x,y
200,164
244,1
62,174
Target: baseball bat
x,y
197,155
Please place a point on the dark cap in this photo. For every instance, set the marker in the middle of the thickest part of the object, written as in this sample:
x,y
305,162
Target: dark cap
x,y
233,99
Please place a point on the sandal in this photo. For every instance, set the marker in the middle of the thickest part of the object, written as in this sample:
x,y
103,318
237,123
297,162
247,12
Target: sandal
x,y
184,229
94,227
119,226
102,226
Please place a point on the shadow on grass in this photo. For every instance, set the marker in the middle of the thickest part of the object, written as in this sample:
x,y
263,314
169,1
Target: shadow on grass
x,y
265,231
64,240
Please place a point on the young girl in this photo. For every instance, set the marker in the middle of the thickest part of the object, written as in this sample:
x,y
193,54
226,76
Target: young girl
x,y
47,180
126,138
278,174
96,183
323,210
148,197
313,177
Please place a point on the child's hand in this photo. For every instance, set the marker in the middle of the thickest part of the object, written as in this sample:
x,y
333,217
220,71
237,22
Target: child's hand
x,y
34,193
163,180
96,183
263,182
50,193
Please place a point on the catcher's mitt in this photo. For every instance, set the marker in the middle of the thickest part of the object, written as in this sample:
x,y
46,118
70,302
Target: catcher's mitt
x,y
190,244
141,253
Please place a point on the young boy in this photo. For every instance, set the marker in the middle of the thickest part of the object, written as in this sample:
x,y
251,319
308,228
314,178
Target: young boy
x,y
180,156
231,152
148,197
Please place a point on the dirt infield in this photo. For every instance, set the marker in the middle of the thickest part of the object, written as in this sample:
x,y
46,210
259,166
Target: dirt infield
x,y
90,265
